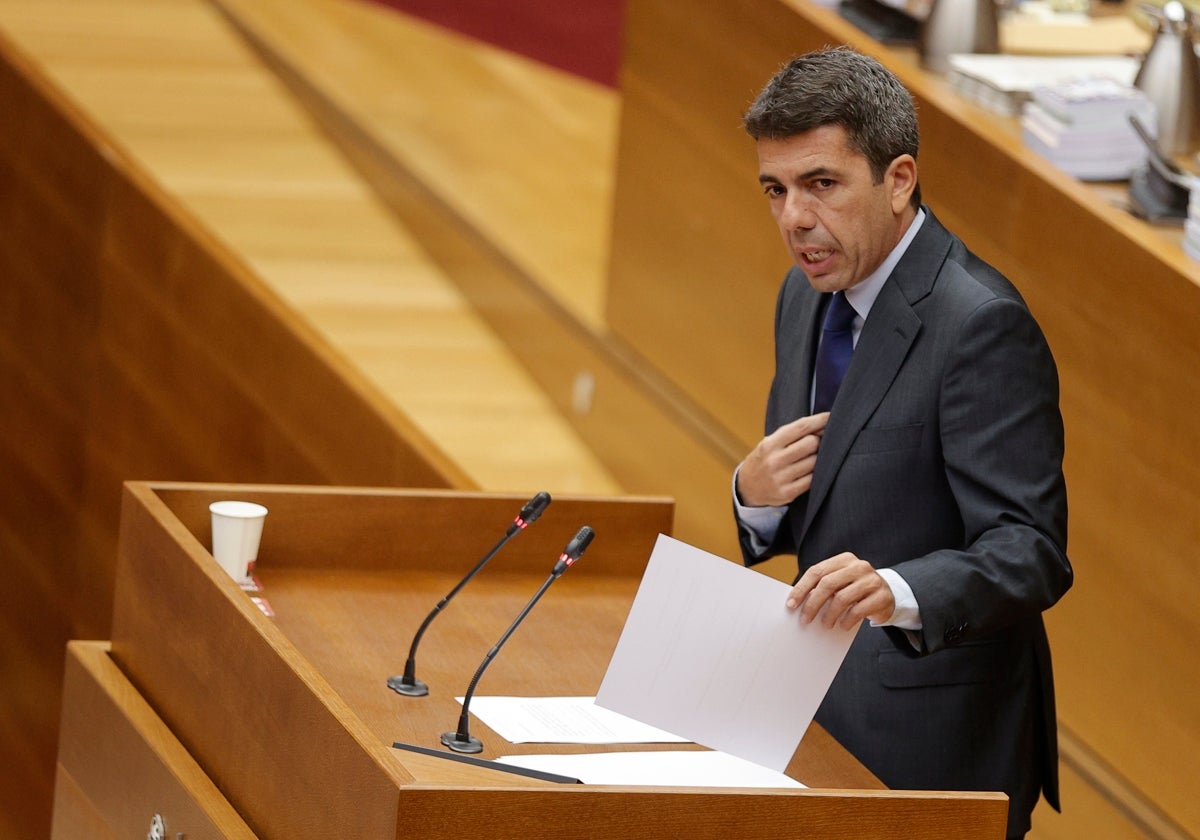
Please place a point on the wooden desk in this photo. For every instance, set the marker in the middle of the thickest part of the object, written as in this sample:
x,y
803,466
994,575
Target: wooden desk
x,y
291,718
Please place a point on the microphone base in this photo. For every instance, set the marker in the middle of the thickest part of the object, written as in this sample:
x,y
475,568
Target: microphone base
x,y
409,688
470,744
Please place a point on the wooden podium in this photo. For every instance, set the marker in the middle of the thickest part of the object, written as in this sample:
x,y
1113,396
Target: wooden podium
x,y
285,721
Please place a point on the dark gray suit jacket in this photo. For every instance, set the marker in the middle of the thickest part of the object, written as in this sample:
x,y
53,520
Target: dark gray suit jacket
x,y
943,460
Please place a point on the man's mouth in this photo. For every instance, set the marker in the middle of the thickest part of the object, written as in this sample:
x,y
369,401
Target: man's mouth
x,y
813,257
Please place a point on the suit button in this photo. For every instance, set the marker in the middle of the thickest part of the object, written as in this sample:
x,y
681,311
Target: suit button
x,y
953,634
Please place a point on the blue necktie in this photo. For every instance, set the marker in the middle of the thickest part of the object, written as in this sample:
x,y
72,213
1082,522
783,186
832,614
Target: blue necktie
x,y
833,354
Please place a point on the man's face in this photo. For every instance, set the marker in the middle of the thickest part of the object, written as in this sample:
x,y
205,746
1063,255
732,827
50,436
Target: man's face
x,y
837,223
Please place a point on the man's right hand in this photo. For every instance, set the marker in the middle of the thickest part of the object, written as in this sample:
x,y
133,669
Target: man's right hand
x,y
780,468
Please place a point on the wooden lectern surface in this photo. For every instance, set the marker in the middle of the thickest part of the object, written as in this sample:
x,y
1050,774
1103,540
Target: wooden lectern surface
x,y
291,717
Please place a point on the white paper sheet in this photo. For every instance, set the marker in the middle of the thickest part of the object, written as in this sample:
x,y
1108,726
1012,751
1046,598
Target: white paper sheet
x,y
710,651
671,768
563,720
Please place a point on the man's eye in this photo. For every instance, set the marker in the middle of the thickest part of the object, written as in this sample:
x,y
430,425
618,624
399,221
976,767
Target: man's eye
x,y
824,183
773,190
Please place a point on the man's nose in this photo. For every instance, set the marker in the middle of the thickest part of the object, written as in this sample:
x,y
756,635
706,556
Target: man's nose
x,y
798,214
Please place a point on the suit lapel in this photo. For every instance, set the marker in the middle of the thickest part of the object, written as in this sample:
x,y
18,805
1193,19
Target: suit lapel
x,y
883,346
795,365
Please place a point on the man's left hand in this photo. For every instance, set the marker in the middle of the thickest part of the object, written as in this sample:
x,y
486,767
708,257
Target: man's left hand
x,y
842,591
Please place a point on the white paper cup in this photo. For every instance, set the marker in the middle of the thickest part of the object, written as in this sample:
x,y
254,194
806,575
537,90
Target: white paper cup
x,y
236,531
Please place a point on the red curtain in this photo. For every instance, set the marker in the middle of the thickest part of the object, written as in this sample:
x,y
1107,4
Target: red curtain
x,y
579,36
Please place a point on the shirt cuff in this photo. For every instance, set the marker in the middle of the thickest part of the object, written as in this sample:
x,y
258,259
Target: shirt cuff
x,y
907,615
761,523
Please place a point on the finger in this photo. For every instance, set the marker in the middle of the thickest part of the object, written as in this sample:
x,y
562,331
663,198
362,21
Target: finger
x,y
866,597
774,477
830,598
832,587
797,488
818,598
798,469
877,606
803,449
812,424
810,579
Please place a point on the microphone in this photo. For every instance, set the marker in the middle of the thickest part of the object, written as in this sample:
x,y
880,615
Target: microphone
x,y
407,683
462,740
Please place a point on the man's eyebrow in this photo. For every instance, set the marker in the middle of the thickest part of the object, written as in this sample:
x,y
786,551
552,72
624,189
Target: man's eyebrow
x,y
819,172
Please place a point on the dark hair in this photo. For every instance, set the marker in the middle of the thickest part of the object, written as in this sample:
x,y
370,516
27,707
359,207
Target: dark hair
x,y
840,86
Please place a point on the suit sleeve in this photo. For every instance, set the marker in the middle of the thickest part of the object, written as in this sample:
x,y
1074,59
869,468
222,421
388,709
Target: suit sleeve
x,y
1002,443
783,542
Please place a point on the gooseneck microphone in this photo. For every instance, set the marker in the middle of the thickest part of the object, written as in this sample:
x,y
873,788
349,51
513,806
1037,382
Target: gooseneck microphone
x,y
407,683
462,740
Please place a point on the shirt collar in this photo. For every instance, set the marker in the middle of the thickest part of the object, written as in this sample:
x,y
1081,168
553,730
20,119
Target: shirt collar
x,y
862,295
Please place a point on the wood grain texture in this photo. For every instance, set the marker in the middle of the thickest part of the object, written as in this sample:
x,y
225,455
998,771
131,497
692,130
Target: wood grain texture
x,y
119,765
398,527
212,127
318,668
566,812
530,259
206,665
522,154
1104,803
133,342
89,236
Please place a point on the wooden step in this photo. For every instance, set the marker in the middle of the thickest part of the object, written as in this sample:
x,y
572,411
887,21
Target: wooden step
x,y
179,90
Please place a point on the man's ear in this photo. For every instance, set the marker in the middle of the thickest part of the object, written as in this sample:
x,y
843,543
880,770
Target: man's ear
x,y
901,180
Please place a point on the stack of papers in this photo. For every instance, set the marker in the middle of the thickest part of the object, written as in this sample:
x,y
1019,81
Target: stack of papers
x,y
709,654
565,720
673,768
1004,83
578,720
1083,127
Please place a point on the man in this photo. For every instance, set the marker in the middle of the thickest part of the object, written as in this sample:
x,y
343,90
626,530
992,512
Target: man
x,y
924,492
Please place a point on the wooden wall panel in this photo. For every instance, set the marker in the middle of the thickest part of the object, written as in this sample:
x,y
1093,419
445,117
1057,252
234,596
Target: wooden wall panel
x,y
695,252
31,620
1118,301
134,345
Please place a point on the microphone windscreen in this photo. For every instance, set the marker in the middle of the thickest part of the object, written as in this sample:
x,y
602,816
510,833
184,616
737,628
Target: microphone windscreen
x,y
534,508
579,543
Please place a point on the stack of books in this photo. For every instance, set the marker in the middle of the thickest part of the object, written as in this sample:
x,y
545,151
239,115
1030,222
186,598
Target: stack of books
x,y
1004,83
1083,127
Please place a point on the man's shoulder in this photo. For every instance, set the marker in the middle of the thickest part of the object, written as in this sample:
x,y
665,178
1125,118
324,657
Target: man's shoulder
x,y
965,276
970,280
